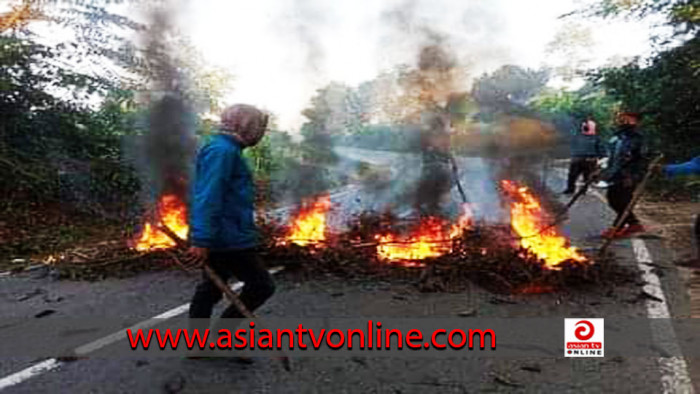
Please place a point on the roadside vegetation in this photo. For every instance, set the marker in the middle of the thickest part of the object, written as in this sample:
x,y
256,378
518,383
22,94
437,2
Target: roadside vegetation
x,y
71,108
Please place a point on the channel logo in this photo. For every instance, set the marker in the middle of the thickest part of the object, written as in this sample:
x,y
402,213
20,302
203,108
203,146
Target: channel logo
x,y
584,337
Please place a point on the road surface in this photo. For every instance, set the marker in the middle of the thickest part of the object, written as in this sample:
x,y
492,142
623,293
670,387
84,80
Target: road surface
x,y
142,297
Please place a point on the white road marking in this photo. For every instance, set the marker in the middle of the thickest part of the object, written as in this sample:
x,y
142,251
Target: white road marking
x,y
26,374
673,370
52,363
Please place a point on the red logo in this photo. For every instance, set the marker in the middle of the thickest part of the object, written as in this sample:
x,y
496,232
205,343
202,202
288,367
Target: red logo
x,y
584,337
584,332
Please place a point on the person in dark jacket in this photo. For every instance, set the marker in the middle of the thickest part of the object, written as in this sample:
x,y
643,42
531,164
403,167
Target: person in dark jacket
x,y
586,149
223,232
626,168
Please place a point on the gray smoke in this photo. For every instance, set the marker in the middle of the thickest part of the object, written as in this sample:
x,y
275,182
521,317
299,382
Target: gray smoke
x,y
167,148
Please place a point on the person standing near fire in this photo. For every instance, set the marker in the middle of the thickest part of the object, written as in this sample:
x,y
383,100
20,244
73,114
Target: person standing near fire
x,y
436,163
223,232
626,168
586,149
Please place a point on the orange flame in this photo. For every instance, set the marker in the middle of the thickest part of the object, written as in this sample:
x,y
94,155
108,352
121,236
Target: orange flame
x,y
309,226
528,221
172,212
430,239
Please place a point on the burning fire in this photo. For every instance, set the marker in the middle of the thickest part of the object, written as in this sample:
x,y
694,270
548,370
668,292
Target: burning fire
x,y
528,221
432,238
309,226
172,212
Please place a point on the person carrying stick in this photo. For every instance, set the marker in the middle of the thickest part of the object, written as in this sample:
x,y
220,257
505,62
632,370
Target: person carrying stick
x,y
626,168
223,234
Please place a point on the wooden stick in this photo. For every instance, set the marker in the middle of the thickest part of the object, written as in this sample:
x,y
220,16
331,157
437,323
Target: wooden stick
x,y
562,215
697,237
455,172
225,289
232,297
593,177
635,198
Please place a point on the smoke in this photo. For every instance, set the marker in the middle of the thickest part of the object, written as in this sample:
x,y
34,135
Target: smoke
x,y
436,77
166,150
416,101
307,19
441,45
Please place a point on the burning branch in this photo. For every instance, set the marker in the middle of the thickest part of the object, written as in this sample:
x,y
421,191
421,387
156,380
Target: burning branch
x,y
171,211
528,221
309,227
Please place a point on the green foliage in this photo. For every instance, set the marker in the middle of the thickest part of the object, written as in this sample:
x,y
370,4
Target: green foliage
x,y
51,141
507,86
682,15
667,91
566,109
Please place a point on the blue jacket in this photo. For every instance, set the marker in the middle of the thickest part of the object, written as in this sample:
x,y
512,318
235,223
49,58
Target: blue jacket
x,y
223,200
691,167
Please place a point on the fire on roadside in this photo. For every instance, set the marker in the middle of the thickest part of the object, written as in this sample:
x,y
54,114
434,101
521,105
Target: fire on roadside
x,y
529,222
431,238
172,212
309,225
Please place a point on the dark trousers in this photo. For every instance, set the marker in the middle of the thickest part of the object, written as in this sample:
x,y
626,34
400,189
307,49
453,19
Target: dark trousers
x,y
619,196
580,166
246,267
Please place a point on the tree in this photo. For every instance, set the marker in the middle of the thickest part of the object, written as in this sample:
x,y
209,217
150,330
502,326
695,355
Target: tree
x,y
667,91
570,50
508,88
683,15
45,86
566,109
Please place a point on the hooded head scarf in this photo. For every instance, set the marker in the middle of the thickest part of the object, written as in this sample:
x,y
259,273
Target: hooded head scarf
x,y
245,123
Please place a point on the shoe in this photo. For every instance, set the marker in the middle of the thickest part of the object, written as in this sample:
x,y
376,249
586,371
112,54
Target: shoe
x,y
567,192
243,360
237,359
631,230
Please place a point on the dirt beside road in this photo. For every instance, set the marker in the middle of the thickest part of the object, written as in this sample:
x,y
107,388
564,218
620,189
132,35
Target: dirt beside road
x,y
673,222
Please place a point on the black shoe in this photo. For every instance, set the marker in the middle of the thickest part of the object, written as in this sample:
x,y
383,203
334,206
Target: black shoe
x,y
567,192
236,359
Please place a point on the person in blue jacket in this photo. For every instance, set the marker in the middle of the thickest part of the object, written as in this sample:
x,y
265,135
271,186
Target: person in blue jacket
x,y
223,233
691,167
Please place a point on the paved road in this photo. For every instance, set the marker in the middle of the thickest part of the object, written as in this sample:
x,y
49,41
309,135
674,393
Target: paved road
x,y
148,295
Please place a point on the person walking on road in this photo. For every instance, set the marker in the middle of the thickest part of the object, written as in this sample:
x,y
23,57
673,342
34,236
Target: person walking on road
x,y
586,149
223,232
626,168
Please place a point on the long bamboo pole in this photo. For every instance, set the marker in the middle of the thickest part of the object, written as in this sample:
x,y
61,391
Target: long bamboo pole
x,y
225,289
638,191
